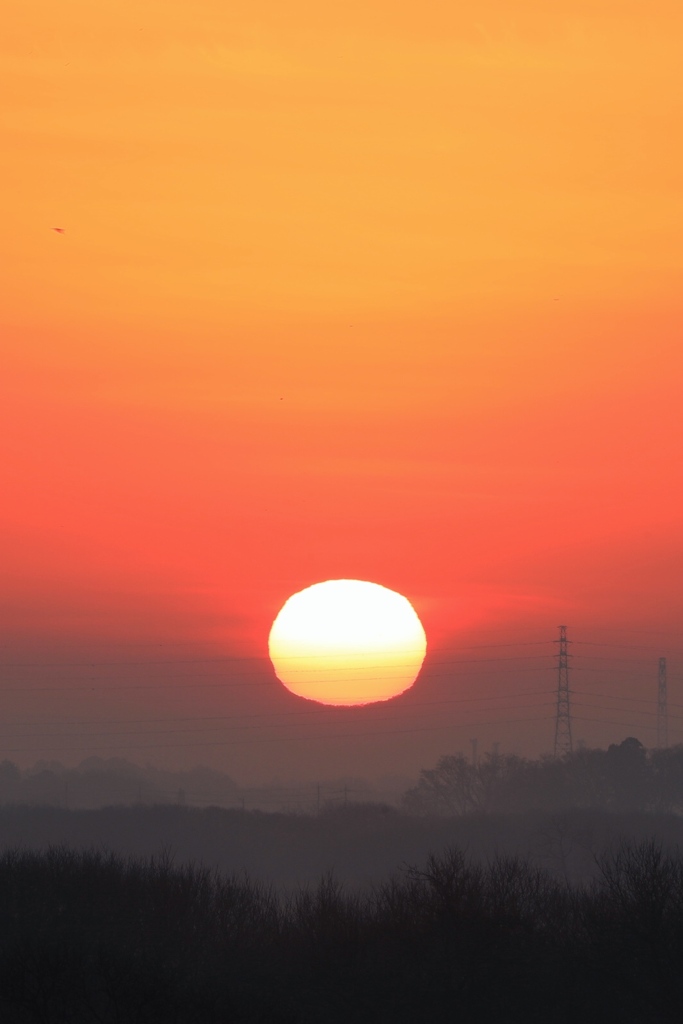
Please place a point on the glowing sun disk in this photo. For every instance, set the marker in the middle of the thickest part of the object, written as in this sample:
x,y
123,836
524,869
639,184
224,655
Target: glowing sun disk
x,y
347,642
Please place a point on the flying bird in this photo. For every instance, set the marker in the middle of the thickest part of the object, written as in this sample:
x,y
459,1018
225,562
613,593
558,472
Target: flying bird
x,y
60,231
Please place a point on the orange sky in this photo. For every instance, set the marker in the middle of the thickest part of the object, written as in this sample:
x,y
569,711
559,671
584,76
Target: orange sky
x,y
363,292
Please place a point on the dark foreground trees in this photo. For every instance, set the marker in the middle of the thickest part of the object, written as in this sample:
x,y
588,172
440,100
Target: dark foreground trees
x,y
87,937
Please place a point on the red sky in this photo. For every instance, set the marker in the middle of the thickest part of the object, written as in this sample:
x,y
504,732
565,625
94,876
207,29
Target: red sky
x,y
366,292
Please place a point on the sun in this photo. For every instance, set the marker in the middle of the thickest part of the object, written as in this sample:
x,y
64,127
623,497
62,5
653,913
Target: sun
x,y
347,642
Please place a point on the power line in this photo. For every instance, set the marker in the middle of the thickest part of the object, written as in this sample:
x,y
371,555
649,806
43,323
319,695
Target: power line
x,y
606,721
229,684
622,675
296,739
625,711
618,696
614,661
623,647
242,728
628,629
330,711
196,677
256,657
425,670
263,661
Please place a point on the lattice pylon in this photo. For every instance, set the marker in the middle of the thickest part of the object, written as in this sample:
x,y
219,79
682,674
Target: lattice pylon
x,y
563,718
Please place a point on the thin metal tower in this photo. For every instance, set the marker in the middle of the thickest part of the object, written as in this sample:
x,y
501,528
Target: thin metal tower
x,y
662,711
563,718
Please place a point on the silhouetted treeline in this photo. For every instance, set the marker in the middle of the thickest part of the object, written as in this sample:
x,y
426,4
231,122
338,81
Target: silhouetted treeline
x,y
90,937
625,777
361,843
115,781
101,782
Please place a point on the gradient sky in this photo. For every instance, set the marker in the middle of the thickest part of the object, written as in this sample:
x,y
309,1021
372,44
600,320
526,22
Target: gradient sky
x,y
374,292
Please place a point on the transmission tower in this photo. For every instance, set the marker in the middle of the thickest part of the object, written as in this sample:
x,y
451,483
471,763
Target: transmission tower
x,y
662,712
563,719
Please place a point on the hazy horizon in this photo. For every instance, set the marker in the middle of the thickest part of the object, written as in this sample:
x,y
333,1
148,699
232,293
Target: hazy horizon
x,y
500,688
